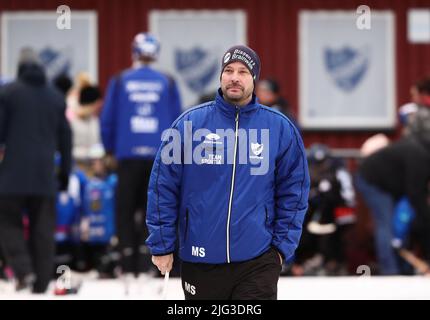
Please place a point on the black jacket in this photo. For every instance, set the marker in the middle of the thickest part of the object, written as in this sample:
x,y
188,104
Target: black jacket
x,y
402,169
32,127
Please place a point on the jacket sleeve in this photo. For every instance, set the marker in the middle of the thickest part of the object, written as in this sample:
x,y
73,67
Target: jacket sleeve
x,y
65,149
163,195
108,116
291,192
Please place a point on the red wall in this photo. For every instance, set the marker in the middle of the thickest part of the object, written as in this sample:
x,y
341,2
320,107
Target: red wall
x,y
272,32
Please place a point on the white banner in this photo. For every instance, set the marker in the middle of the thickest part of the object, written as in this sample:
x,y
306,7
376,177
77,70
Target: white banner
x,y
192,45
61,50
347,74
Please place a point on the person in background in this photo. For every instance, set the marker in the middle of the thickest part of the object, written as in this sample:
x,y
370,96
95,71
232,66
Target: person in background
x,y
401,169
33,127
86,125
331,214
420,119
140,104
97,224
72,99
420,101
268,92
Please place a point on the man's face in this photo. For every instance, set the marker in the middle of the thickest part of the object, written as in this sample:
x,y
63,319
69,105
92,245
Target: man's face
x,y
237,84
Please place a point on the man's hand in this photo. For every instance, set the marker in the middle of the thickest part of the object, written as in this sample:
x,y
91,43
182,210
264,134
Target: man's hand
x,y
163,263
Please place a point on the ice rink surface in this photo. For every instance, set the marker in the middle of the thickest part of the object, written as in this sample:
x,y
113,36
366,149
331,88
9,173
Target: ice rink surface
x,y
305,288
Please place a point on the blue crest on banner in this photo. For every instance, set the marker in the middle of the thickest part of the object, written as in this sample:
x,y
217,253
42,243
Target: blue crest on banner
x,y
197,67
55,62
346,66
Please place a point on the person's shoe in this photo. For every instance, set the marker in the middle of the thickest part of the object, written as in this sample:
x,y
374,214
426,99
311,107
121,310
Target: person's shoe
x,y
25,282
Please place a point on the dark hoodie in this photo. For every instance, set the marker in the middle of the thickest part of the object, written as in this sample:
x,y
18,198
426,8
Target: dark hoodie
x,y
402,168
32,127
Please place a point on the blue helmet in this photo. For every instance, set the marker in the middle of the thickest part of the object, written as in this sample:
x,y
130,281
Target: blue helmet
x,y
318,152
145,45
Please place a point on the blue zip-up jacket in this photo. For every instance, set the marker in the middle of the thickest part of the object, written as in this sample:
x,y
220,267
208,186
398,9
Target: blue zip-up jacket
x,y
139,105
226,212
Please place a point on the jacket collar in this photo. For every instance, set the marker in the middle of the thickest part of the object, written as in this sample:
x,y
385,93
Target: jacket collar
x,y
230,110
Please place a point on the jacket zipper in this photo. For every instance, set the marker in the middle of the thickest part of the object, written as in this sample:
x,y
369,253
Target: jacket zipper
x,y
232,184
267,220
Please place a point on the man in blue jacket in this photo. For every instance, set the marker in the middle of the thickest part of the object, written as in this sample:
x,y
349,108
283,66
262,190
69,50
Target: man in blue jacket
x,y
232,175
140,104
